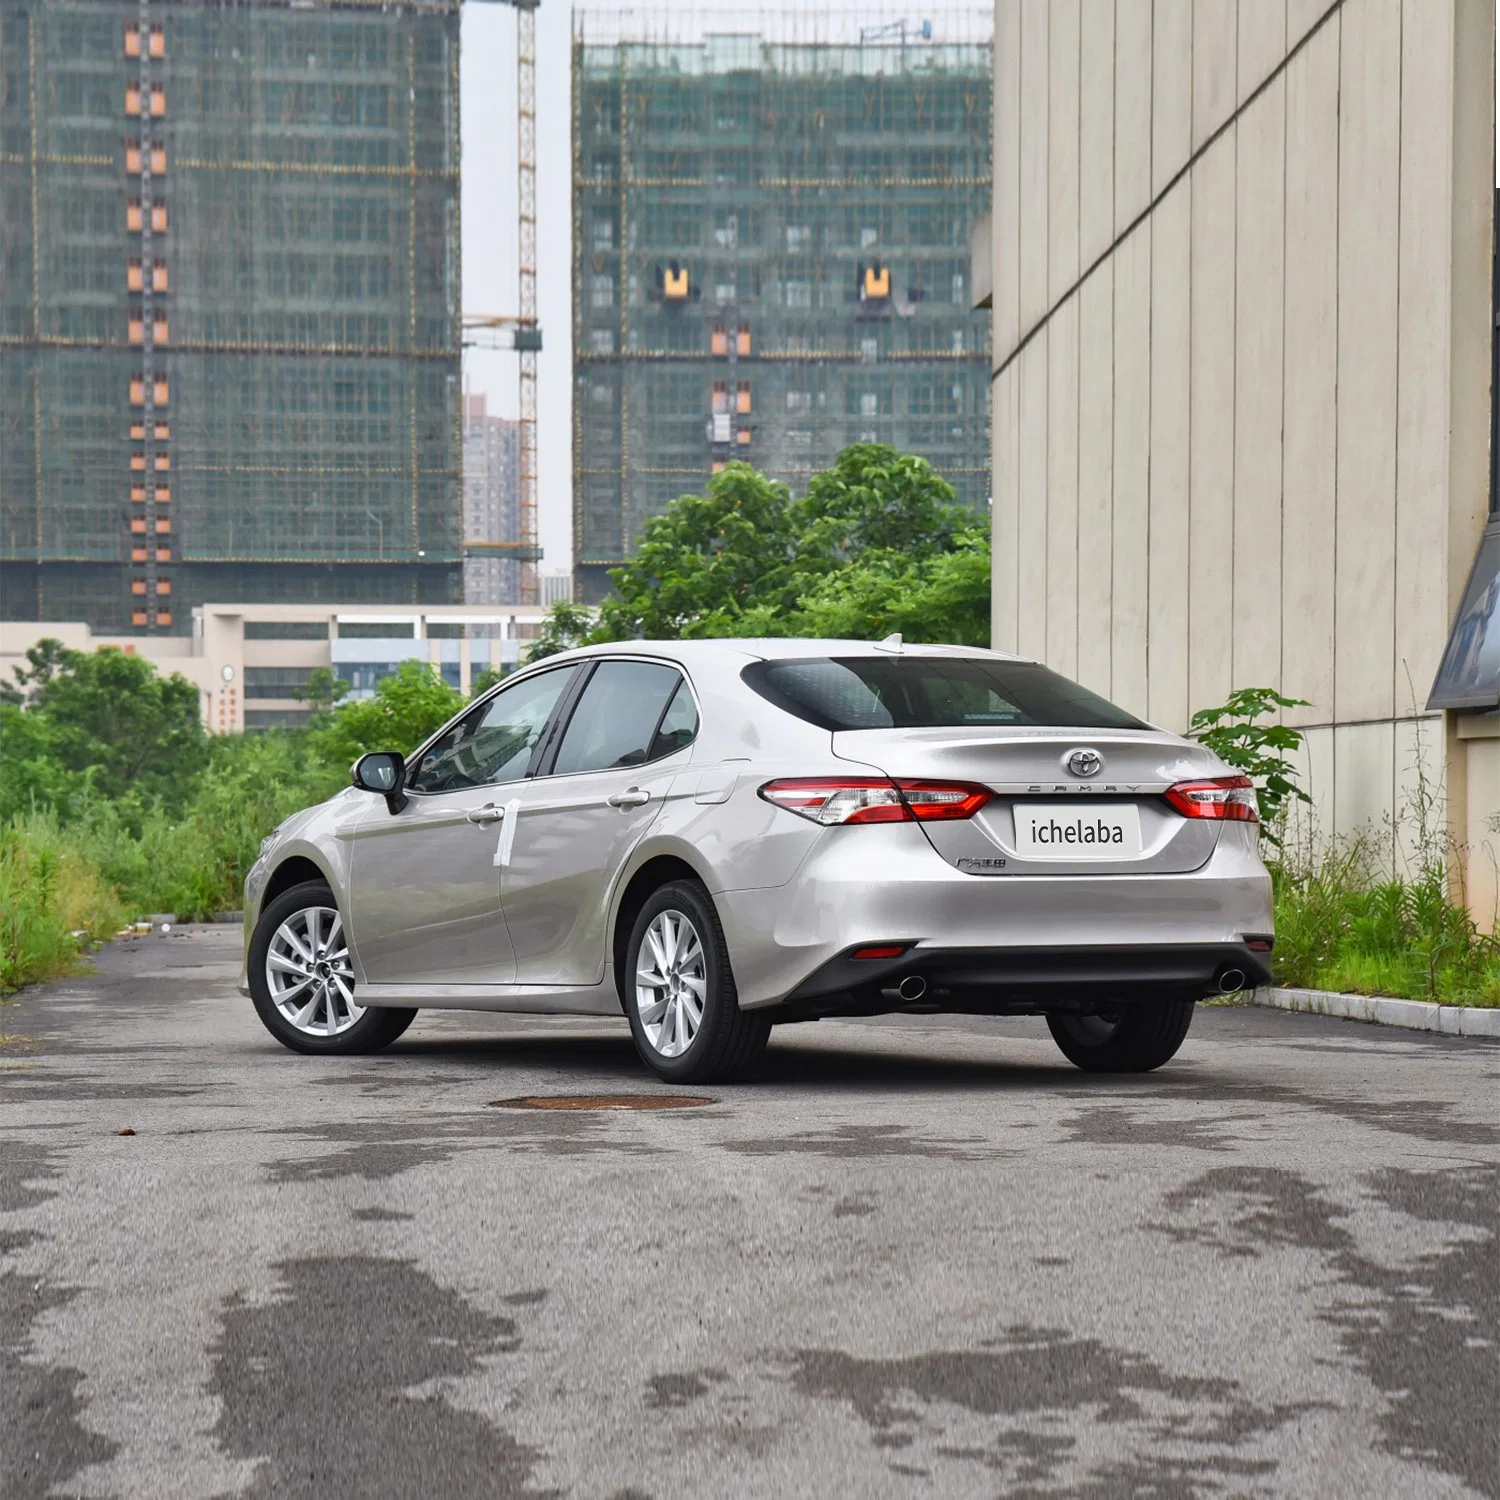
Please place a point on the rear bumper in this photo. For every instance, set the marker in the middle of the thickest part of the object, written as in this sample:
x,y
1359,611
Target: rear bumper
x,y
1020,981
884,883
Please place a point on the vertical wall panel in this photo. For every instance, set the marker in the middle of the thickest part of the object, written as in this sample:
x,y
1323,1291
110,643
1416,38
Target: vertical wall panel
x,y
1062,489
1167,616
1171,89
1096,340
1262,43
1211,458
1310,388
1005,212
1301,17
1422,392
1482,772
1132,110
1363,758
1005,417
1096,129
1259,295
1215,31
1032,215
1062,148
1132,467
1031,518
1370,67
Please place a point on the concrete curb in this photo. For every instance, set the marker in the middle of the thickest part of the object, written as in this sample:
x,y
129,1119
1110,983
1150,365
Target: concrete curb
x,y
1414,1015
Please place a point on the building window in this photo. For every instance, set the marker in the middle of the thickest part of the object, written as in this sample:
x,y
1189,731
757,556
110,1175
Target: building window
x,y
276,682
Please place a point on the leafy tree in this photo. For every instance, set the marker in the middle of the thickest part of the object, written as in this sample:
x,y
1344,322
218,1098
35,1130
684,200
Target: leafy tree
x,y
111,713
483,680
31,775
943,597
1262,751
47,658
404,710
567,625
323,688
704,561
877,537
875,499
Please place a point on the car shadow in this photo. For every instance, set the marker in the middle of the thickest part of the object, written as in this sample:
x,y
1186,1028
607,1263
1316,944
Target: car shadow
x,y
823,1062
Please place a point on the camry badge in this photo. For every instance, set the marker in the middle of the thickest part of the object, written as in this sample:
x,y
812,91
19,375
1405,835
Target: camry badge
x,y
1084,762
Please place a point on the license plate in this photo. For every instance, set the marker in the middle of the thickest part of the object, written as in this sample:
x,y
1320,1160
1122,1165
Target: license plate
x,y
1078,830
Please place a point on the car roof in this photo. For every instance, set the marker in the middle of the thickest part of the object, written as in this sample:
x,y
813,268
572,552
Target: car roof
x,y
775,647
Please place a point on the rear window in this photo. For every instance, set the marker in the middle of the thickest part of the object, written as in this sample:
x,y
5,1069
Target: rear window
x,y
930,692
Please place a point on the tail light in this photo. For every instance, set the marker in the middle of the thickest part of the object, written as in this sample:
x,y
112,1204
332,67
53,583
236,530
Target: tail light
x,y
875,799
1229,799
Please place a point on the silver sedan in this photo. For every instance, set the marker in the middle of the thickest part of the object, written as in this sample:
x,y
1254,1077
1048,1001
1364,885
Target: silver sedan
x,y
719,836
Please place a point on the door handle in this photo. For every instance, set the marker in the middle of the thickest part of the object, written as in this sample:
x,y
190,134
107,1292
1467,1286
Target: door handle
x,y
635,797
487,814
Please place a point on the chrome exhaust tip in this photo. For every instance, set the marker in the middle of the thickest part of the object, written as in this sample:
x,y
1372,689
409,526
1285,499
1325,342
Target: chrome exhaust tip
x,y
1231,981
913,987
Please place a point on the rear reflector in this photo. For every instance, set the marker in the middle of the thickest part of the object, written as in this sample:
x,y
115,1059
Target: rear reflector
x,y
882,950
1226,798
875,799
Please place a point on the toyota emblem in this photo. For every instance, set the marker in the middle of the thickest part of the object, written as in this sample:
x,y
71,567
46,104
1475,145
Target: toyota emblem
x,y
1084,762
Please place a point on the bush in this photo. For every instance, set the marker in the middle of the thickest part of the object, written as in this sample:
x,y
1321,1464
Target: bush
x,y
54,901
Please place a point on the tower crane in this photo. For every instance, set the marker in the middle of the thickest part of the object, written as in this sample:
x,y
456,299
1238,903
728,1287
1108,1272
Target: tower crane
x,y
520,331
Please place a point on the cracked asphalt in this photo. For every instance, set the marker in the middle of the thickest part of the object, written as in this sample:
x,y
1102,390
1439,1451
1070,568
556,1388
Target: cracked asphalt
x,y
918,1256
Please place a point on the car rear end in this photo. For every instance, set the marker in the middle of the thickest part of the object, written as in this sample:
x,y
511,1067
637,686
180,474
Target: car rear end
x,y
997,839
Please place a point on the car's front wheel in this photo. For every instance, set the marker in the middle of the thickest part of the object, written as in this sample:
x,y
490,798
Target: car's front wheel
x,y
302,980
1132,1038
680,997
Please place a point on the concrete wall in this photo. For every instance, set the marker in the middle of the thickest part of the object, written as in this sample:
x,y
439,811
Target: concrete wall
x,y
1241,292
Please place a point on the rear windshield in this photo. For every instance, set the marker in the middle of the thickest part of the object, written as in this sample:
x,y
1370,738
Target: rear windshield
x,y
930,692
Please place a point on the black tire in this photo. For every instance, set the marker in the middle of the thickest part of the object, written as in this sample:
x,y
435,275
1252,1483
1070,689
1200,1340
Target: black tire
x,y
375,1029
728,1041
1134,1039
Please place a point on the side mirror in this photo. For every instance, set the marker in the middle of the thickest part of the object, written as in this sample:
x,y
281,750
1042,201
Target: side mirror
x,y
381,771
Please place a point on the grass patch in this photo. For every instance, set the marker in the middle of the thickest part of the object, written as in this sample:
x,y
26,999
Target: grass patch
x,y
54,902
1346,921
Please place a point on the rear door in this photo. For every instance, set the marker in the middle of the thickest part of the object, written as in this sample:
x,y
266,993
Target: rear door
x,y
576,823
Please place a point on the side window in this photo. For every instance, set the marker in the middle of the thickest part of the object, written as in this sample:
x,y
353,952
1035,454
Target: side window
x,y
678,725
493,743
616,720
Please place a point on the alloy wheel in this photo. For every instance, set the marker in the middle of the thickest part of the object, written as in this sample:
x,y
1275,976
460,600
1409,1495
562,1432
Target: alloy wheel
x,y
308,973
671,983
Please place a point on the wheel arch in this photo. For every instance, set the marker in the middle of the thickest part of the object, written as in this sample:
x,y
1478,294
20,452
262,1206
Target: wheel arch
x,y
658,870
293,871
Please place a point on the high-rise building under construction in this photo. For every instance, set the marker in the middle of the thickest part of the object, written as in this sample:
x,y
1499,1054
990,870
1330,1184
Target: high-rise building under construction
x,y
770,237
229,319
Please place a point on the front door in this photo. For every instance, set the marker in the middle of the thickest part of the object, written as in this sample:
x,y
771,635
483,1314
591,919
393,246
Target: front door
x,y
576,824
425,885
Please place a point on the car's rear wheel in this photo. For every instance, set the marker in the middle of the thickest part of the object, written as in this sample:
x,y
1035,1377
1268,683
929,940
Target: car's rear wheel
x,y
1132,1038
680,996
302,980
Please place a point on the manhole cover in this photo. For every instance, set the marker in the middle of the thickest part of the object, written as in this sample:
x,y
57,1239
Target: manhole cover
x,y
602,1101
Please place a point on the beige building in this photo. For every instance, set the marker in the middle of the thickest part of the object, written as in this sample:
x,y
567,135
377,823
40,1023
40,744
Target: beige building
x,y
250,661
1240,258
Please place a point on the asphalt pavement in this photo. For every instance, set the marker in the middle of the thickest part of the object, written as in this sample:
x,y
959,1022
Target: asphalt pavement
x,y
919,1256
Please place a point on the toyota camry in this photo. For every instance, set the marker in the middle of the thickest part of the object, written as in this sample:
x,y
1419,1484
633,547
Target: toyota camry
x,y
715,837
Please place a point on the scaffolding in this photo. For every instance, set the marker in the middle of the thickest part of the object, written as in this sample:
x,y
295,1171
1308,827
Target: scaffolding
x,y
230,324
770,234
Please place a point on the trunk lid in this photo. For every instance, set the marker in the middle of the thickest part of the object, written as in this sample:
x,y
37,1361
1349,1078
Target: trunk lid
x,y
1046,819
